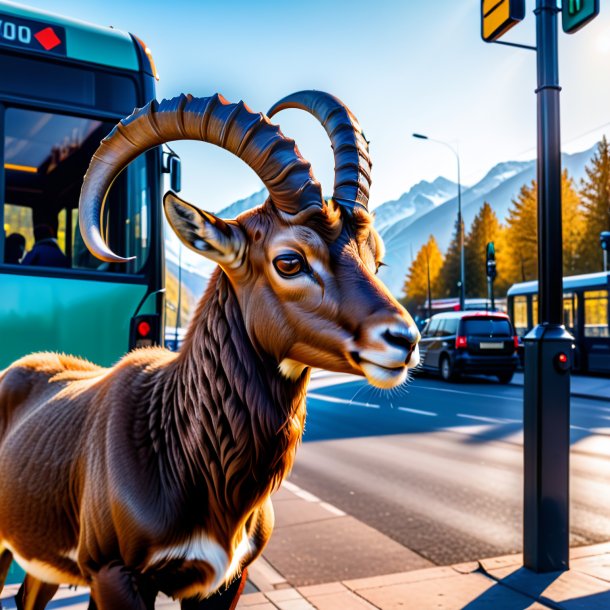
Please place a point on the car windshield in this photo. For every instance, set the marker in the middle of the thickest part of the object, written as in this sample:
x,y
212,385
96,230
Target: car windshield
x,y
491,327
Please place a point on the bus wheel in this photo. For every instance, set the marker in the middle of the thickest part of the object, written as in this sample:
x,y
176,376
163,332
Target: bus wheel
x,y
505,377
447,372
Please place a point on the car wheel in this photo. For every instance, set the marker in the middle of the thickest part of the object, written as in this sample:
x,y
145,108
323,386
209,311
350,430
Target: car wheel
x,y
447,369
505,377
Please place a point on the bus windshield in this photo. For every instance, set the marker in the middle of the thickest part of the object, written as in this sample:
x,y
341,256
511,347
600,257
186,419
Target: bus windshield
x,y
46,155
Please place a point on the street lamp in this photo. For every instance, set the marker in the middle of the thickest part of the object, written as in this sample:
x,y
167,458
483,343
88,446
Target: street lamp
x,y
459,216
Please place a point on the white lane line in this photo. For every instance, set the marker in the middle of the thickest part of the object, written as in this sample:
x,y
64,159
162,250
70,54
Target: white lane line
x,y
491,420
342,401
301,493
496,396
332,509
580,428
305,495
418,411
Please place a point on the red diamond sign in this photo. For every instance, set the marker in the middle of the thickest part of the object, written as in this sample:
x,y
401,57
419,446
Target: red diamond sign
x,y
47,38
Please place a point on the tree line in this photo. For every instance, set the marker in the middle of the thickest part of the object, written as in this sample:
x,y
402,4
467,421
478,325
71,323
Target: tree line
x,y
585,214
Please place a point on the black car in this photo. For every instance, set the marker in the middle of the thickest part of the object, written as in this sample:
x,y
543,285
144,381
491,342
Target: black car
x,y
478,342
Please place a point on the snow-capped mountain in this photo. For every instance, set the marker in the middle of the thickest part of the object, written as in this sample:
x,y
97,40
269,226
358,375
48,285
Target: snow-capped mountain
x,y
235,209
417,201
499,187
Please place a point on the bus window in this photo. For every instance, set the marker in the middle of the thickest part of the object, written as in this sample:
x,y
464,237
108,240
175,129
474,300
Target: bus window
x,y
45,158
534,309
596,313
520,315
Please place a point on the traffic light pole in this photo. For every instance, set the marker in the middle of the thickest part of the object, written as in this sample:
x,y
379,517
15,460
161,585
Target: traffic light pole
x,y
548,346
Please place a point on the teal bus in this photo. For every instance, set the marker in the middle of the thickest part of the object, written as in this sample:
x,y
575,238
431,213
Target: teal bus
x,y
64,84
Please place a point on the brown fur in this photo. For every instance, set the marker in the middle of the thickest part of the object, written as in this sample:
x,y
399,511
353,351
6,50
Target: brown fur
x,y
164,450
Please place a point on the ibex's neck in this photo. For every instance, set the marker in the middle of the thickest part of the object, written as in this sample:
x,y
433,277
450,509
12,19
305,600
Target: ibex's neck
x,y
234,420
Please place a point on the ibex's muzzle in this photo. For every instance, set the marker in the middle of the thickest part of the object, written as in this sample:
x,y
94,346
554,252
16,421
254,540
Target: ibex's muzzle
x,y
386,349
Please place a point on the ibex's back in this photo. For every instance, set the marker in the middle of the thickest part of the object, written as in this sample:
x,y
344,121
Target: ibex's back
x,y
163,465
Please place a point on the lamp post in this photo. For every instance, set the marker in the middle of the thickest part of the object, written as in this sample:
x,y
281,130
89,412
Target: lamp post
x,y
459,216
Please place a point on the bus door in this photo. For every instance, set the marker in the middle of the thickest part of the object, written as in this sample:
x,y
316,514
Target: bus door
x,y
595,338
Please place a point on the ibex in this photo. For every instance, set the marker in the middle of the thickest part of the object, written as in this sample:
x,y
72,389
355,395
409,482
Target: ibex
x,y
156,474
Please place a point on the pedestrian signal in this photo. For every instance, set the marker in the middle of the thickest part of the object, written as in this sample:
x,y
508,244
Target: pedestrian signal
x,y
575,14
498,16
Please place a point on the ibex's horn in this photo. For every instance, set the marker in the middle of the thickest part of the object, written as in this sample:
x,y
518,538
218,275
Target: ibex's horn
x,y
234,127
350,147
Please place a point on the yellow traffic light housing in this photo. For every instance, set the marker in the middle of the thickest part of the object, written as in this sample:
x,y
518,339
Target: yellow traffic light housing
x,y
498,16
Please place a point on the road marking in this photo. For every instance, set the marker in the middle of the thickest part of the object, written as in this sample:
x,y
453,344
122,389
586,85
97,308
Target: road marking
x,y
580,428
496,396
332,509
305,495
301,493
343,401
491,420
418,412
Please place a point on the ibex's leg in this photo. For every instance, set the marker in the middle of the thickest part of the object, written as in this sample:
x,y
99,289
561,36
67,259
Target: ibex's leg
x,y
5,563
221,600
34,594
115,587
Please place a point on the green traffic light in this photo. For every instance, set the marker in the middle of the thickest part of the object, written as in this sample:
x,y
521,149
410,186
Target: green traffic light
x,y
575,14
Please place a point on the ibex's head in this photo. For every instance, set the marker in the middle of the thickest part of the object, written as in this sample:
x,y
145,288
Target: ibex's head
x,y
302,268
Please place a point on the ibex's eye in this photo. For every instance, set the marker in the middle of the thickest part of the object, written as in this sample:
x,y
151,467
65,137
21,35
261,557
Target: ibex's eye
x,y
289,265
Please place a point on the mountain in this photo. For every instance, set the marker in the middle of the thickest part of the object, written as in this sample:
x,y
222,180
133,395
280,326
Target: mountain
x,y
499,187
420,199
235,209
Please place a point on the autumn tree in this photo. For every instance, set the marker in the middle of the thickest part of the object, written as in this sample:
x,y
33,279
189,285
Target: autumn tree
x,y
485,228
595,196
427,263
522,236
448,283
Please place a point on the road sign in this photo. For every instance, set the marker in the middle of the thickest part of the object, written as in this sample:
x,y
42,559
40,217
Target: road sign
x,y
575,14
498,16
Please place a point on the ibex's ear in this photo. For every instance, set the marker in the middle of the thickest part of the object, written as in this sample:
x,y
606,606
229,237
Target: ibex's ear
x,y
221,241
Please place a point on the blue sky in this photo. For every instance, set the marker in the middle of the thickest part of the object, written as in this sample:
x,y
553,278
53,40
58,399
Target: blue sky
x,y
402,66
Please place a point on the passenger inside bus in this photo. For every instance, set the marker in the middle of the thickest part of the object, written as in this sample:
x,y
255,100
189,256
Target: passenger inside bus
x,y
46,251
14,248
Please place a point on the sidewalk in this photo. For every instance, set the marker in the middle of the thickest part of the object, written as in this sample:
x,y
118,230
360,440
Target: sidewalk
x,y
499,584
581,386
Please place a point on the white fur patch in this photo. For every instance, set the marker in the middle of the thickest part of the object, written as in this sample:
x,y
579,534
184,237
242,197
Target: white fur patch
x,y
198,548
43,571
291,369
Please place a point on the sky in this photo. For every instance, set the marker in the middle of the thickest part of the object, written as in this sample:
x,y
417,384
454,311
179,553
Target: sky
x,y
402,66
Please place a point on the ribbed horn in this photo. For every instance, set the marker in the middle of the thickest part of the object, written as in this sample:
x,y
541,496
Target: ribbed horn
x,y
234,127
350,147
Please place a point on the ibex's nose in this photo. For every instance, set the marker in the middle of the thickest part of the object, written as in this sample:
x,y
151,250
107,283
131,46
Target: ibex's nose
x,y
403,337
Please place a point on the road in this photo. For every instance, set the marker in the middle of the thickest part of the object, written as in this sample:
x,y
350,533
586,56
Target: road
x,y
438,467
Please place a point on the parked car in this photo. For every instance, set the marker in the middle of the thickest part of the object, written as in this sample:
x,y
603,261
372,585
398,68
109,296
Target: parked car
x,y
478,342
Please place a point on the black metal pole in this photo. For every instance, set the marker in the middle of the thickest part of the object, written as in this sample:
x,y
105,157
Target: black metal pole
x,y
461,230
547,379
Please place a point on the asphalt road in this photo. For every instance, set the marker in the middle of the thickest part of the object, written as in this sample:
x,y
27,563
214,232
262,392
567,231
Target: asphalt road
x,y
438,467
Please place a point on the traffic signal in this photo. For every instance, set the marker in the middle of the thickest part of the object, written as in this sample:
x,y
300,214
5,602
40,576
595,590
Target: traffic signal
x,y
575,14
491,261
604,240
498,16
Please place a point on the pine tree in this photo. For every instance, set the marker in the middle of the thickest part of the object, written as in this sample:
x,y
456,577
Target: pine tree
x,y
595,195
448,284
485,228
429,259
522,236
572,227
